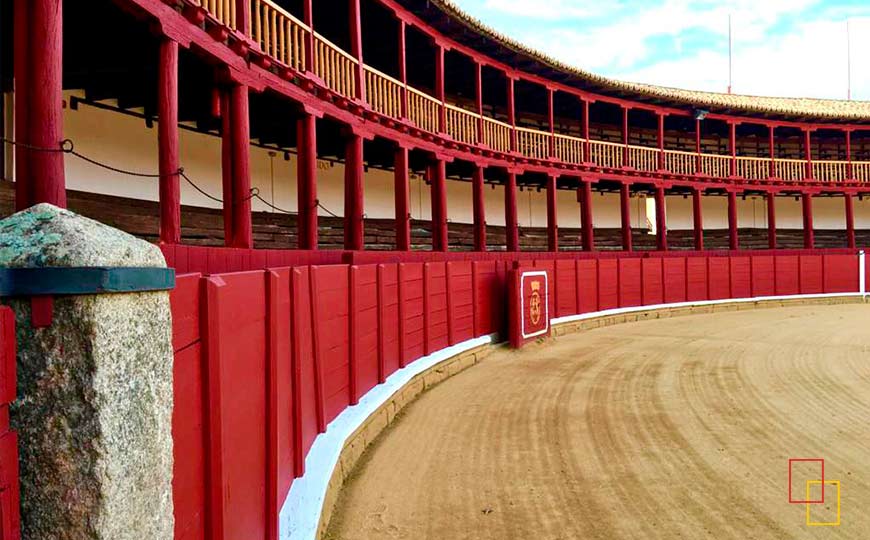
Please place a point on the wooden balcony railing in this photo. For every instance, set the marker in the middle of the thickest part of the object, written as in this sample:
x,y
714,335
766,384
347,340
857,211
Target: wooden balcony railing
x,y
496,135
606,154
223,11
462,125
643,158
280,35
284,38
716,166
336,68
680,162
424,110
570,149
791,170
384,93
753,168
533,143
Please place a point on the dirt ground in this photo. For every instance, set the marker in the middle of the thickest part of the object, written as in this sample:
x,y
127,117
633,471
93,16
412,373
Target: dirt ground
x,y
675,428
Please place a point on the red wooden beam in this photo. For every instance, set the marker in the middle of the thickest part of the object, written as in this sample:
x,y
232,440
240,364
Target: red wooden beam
x,y
240,129
243,17
227,185
21,60
807,208
772,145
552,216
308,19
733,237
625,215
403,66
356,47
273,385
512,233
771,219
477,181
699,167
306,172
850,219
478,83
732,142
587,145
212,352
45,94
400,190
439,87
661,219
438,180
512,110
698,219
625,136
849,172
552,120
661,117
808,152
353,192
167,135
587,232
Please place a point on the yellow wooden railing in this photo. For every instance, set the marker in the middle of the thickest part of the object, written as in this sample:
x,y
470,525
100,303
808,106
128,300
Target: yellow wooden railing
x,y
533,143
715,165
336,68
279,34
606,154
830,171
570,149
462,125
643,158
680,162
284,38
791,170
383,93
753,168
423,110
224,11
496,135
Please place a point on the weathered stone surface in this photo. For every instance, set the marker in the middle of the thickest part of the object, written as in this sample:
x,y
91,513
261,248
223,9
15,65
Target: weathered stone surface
x,y
95,389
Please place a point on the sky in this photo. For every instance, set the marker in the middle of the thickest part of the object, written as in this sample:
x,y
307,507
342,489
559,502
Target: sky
x,y
793,48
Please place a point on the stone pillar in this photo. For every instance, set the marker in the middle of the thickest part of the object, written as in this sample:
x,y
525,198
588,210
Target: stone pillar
x,y
95,397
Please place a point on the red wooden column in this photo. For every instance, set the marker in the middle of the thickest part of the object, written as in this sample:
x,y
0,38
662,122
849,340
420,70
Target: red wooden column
x,y
587,145
479,209
733,143
552,216
236,167
355,15
772,145
167,142
45,100
353,192
243,17
587,231
850,219
733,236
308,19
512,233
808,152
699,167
807,207
551,95
625,215
625,137
306,174
478,84
403,209
698,218
438,179
661,219
771,219
661,118
403,66
849,172
439,87
21,61
511,110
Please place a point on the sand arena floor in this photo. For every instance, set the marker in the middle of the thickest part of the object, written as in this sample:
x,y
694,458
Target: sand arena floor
x,y
675,428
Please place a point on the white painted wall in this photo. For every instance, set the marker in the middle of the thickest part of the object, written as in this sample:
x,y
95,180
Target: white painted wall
x,y
126,142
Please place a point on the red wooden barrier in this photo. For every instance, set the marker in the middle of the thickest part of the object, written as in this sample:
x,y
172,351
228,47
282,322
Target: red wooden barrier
x,y
10,522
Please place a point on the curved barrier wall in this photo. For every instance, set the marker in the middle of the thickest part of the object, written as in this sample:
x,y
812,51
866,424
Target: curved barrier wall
x,y
266,361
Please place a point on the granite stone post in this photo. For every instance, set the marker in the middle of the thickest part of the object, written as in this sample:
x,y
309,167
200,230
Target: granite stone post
x,y
94,408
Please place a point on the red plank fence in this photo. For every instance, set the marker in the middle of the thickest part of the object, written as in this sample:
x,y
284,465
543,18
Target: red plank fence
x,y
10,524
266,360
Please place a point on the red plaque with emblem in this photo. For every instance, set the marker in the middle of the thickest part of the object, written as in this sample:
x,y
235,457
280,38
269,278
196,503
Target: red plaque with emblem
x,y
530,316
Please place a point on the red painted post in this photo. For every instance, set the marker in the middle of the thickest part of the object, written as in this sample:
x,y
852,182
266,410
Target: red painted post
x,y
661,141
403,66
850,220
697,219
771,219
478,84
317,356
625,215
661,219
241,172
479,209
809,233
511,110
213,354
772,145
273,282
403,210
699,167
587,145
438,179
243,17
21,61
587,231
308,19
352,337
10,527
439,87
808,152
625,137
850,175
353,192
551,96
45,94
167,127
512,233
552,217
227,166
733,142
356,48
733,238
306,172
